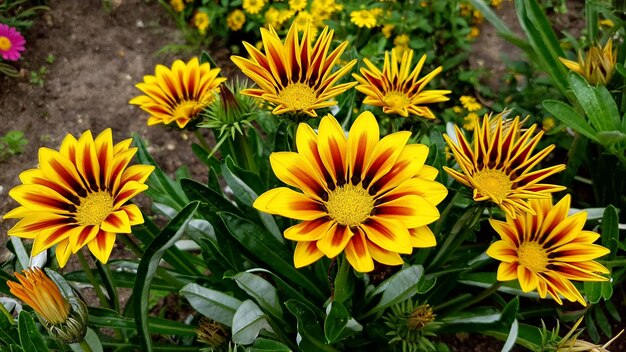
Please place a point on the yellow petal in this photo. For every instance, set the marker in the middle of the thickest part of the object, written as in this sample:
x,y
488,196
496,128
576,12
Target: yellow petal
x,y
335,240
422,237
289,203
358,255
102,246
388,234
306,253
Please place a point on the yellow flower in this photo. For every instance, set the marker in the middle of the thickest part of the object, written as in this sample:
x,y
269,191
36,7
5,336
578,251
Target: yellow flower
x,y
597,65
398,90
457,109
201,21
387,30
547,250
42,294
496,4
177,5
474,32
295,86
65,319
498,165
253,6
236,20
323,10
607,23
402,40
77,196
470,121
368,197
548,123
177,95
363,18
470,103
272,17
477,17
297,5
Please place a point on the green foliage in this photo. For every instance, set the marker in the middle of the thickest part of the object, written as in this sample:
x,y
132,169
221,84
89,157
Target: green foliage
x,y
12,143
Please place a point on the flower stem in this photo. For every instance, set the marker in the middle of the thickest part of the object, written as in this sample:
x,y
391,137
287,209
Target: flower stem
x,y
331,277
201,140
92,279
84,346
486,293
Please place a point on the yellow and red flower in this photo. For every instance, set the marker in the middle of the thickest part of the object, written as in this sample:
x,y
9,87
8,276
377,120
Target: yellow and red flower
x,y
77,196
368,197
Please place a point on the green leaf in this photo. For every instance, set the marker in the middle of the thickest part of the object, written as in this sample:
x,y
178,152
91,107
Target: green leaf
x,y
501,28
265,345
571,118
593,291
248,322
528,336
602,321
312,336
211,303
336,322
92,340
610,230
399,287
149,265
107,318
510,340
263,245
261,290
30,338
598,104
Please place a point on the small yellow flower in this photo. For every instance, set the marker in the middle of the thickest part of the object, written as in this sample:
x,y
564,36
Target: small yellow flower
x,y
401,40
424,4
271,17
607,23
387,30
597,65
201,21
304,19
236,20
177,5
477,17
363,18
457,109
470,103
496,4
470,121
253,6
297,5
474,33
548,123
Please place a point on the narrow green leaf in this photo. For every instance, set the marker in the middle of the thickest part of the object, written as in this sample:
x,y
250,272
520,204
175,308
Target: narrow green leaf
x,y
262,244
248,322
528,336
265,345
602,321
510,340
312,336
107,318
261,290
571,118
610,230
598,104
211,303
149,265
399,287
501,28
30,338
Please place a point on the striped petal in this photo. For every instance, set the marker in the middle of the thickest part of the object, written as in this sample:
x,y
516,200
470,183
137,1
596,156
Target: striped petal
x,y
306,253
102,245
289,203
358,254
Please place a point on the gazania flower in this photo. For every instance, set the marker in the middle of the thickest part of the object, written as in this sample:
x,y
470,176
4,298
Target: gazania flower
x,y
235,20
178,95
398,90
597,65
65,319
253,6
498,165
11,43
77,196
363,18
295,76
547,250
369,197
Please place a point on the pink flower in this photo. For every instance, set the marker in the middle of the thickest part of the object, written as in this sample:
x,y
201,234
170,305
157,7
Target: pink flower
x,y
11,43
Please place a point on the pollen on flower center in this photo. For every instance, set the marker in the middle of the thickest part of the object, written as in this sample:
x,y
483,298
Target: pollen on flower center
x,y
94,208
5,43
350,205
494,183
298,96
396,100
532,256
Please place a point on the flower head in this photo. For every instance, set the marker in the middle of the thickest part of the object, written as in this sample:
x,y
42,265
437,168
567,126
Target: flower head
x,y
363,18
201,21
295,76
547,250
470,103
11,43
178,94
77,196
597,65
177,5
64,318
498,164
470,121
398,90
369,197
297,5
235,20
253,6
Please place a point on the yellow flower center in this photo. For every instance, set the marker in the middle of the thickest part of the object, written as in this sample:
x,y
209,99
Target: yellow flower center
x,y
298,96
350,205
493,183
187,109
396,100
5,43
532,256
94,208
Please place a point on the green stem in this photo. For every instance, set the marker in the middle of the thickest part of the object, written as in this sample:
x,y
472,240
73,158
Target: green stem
x,y
92,279
486,293
85,346
201,140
